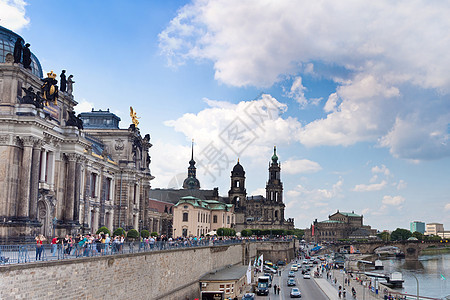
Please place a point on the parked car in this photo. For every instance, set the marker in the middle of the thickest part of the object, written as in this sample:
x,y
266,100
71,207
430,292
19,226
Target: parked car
x,y
291,282
291,274
306,276
295,293
281,263
249,296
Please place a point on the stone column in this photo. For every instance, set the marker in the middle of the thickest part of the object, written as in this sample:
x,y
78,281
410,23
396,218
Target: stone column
x,y
25,177
35,180
43,165
78,178
70,187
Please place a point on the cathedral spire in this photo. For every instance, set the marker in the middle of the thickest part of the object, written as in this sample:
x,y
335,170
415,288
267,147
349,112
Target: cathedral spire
x,y
191,182
274,156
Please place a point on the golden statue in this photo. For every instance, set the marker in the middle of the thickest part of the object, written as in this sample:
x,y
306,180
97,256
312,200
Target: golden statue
x,y
134,117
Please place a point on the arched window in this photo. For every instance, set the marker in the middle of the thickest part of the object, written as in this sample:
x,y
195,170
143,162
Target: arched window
x,y
185,216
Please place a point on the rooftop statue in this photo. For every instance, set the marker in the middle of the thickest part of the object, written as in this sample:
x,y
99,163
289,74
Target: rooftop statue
x,y
26,60
134,117
63,81
18,46
49,89
70,83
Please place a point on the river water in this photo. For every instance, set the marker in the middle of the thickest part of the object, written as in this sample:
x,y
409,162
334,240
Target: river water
x,y
430,271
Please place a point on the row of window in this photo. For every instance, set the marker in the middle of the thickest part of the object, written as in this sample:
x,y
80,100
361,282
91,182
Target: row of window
x,y
203,217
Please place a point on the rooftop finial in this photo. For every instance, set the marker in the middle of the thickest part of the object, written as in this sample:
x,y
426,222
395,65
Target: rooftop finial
x,y
238,159
192,156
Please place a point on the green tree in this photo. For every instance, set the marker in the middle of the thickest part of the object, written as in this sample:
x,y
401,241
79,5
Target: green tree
x,y
418,235
385,236
145,233
246,233
103,229
132,234
119,231
154,233
400,234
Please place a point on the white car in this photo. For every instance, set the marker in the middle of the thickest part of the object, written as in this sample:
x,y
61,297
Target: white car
x,y
306,276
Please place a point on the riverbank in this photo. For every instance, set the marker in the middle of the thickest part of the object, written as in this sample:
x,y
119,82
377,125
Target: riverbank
x,y
430,251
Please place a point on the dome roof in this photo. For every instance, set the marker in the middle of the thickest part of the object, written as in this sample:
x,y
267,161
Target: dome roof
x,y
7,41
191,183
238,170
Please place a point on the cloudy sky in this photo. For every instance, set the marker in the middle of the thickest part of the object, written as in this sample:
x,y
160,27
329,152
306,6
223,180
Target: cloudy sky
x,y
354,94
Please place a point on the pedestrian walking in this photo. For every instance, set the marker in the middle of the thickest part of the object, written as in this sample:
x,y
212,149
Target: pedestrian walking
x,y
275,289
278,289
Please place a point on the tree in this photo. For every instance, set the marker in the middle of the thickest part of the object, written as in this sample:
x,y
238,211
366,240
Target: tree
x,y
132,234
103,229
418,235
400,234
384,236
145,233
119,231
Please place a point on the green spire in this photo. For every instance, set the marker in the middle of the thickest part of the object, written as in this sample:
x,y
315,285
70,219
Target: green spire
x,y
274,156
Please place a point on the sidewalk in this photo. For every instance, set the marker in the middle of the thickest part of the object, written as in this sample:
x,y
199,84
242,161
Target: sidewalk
x,y
328,287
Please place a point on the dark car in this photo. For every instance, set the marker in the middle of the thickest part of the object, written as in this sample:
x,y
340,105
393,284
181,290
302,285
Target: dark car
x,y
281,263
291,282
249,296
295,293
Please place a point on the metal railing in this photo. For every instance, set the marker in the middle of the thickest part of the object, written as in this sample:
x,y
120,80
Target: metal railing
x,y
17,254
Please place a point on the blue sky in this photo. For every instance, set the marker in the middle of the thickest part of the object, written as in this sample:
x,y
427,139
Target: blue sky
x,y
354,94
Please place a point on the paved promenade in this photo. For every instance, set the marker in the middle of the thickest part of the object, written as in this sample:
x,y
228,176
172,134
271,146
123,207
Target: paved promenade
x,y
331,289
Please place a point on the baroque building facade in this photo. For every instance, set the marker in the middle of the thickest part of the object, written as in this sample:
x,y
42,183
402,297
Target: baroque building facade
x,y
339,226
258,212
57,177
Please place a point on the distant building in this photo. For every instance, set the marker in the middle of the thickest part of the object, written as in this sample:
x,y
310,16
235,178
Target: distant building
x,y
340,225
417,226
434,228
230,281
160,216
196,217
259,212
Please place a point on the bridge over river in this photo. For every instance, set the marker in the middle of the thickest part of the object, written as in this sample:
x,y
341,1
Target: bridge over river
x,y
411,249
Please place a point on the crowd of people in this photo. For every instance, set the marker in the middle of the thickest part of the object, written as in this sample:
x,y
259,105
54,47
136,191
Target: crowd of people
x,y
102,243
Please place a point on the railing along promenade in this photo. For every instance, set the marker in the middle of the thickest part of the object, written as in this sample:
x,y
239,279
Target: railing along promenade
x,y
28,253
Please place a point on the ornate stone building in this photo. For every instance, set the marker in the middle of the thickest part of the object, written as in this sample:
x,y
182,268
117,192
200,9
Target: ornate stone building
x,y
55,176
258,212
340,225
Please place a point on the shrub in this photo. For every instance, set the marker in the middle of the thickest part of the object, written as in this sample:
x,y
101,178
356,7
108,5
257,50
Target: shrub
x,y
226,232
103,229
145,233
246,232
119,231
132,234
154,233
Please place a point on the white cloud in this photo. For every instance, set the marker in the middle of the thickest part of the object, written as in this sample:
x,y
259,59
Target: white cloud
x,y
401,185
84,106
382,169
228,131
447,207
300,166
259,191
369,187
385,63
12,14
393,200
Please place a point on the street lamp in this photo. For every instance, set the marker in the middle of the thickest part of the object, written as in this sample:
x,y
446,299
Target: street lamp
x,y
417,285
54,225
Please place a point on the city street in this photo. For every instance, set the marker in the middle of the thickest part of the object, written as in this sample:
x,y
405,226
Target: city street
x,y
309,289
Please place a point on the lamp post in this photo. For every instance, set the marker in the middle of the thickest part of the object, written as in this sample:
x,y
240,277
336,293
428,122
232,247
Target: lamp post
x,y
54,225
417,281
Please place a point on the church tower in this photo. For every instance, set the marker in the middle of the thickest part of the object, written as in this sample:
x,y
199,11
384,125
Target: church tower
x,y
191,182
237,193
274,187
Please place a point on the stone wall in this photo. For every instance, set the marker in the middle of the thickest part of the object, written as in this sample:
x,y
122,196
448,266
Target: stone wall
x,y
169,275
